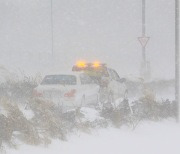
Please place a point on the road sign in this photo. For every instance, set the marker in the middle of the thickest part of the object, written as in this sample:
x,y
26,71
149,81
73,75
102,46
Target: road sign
x,y
143,40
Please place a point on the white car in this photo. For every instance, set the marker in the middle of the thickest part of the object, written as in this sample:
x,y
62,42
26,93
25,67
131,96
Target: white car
x,y
71,90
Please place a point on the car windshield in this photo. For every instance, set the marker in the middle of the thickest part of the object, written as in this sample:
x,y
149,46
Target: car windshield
x,y
59,79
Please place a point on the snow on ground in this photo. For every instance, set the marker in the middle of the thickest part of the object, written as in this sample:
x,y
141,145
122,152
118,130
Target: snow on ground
x,y
90,114
148,138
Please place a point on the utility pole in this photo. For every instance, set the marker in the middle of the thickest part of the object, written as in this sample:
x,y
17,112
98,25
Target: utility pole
x,y
52,30
145,66
144,29
177,58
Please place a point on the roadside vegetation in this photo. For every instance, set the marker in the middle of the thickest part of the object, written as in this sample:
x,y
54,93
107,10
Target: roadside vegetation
x,y
32,121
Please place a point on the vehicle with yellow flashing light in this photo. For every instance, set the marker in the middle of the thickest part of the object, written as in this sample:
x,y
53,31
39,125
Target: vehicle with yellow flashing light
x,y
112,87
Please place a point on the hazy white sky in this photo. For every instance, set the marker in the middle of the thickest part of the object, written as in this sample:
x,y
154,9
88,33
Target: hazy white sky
x,y
105,30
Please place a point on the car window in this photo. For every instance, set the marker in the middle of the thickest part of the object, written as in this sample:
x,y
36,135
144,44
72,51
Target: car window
x,y
85,79
59,79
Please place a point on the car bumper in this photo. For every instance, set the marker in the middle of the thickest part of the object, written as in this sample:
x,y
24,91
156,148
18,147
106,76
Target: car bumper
x,y
68,103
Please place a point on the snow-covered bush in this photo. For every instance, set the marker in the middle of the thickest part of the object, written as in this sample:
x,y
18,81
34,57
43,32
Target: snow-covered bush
x,y
15,124
47,119
36,121
18,90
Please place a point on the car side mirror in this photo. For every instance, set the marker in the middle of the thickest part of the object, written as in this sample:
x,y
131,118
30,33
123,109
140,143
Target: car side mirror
x,y
122,80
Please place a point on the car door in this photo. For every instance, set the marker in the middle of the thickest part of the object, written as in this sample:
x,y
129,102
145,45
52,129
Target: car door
x,y
117,85
113,87
90,88
120,85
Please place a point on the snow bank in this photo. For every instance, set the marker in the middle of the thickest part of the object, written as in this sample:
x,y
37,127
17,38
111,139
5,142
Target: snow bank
x,y
148,138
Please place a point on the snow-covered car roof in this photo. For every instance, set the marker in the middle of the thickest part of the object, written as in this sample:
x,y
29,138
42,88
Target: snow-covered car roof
x,y
65,73
75,74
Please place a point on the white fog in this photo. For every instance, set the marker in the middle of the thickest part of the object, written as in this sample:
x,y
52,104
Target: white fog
x,y
89,76
86,29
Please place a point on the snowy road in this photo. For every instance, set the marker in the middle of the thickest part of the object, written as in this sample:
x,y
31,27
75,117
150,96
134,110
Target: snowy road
x,y
148,138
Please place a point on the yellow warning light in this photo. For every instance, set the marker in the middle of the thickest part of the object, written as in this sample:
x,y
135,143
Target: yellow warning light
x,y
96,64
81,64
